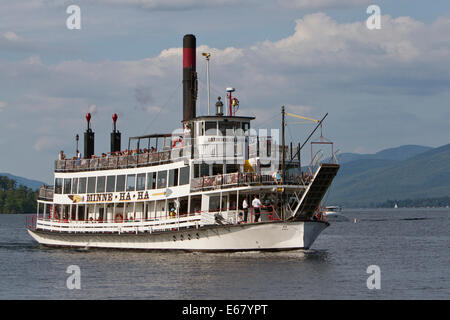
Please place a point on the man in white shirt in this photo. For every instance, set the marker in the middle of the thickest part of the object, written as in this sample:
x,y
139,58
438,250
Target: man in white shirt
x,y
245,207
256,204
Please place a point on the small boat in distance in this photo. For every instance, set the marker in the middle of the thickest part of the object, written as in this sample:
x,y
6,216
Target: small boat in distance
x,y
334,213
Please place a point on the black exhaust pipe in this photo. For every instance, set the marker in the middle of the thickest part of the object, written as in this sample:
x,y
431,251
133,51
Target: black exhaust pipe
x,y
88,139
189,77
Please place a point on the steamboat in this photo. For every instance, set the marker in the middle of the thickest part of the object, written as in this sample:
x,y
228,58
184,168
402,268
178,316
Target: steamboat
x,y
185,190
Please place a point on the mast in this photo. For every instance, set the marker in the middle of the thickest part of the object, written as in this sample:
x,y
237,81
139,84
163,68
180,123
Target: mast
x,y
283,169
207,56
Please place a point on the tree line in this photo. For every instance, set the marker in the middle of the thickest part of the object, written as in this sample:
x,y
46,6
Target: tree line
x,y
417,203
16,198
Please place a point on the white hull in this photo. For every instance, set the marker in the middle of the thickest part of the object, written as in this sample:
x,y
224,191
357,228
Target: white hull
x,y
258,236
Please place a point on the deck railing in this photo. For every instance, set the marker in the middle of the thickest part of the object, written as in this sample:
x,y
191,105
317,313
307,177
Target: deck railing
x,y
143,225
238,179
46,193
120,162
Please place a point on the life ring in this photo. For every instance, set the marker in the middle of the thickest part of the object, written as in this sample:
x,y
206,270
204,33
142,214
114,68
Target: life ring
x,y
177,141
118,218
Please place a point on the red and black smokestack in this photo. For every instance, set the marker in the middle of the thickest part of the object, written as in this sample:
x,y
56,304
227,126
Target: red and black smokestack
x,y
115,136
88,139
189,77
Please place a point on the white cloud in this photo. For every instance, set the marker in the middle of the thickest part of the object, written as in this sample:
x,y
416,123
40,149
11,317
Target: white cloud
x,y
11,36
2,105
321,59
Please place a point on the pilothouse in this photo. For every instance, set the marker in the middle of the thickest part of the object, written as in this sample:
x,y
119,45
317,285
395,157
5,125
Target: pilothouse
x,y
184,190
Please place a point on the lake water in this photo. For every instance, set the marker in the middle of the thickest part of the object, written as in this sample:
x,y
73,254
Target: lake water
x,y
410,246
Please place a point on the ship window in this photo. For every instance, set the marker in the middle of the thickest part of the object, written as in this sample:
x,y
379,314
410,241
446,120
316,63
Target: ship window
x,y
67,186
214,203
110,183
162,179
58,185
196,204
131,182
82,188
184,175
151,180
196,170
140,182
75,185
204,170
217,168
231,168
183,209
173,177
101,184
226,128
120,186
211,128
91,185
245,126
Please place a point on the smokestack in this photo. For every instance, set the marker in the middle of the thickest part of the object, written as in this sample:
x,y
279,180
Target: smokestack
x,y
88,139
115,136
189,77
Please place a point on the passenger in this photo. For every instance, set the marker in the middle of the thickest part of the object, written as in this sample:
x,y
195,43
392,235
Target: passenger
x,y
78,155
62,156
256,204
245,208
276,177
218,180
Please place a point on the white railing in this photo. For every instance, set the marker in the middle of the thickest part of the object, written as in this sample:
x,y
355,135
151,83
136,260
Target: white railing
x,y
118,227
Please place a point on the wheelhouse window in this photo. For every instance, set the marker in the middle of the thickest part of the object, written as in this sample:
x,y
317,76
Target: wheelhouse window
x,y
101,184
58,185
245,126
226,128
162,179
173,177
82,186
211,128
151,180
184,176
110,183
91,185
131,182
67,186
120,187
140,182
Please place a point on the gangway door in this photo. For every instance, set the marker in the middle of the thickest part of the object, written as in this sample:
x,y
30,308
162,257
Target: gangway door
x,y
315,192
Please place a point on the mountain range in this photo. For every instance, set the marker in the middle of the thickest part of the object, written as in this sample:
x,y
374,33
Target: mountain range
x,y
366,180
32,184
406,172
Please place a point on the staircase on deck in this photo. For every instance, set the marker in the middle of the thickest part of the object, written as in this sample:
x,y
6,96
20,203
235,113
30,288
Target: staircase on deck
x,y
315,192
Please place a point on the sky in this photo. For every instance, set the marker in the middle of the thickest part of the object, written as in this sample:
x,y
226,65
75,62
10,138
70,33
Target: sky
x,y
381,88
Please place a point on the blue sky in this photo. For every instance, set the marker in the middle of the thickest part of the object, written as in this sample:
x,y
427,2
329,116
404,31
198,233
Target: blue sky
x,y
382,88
